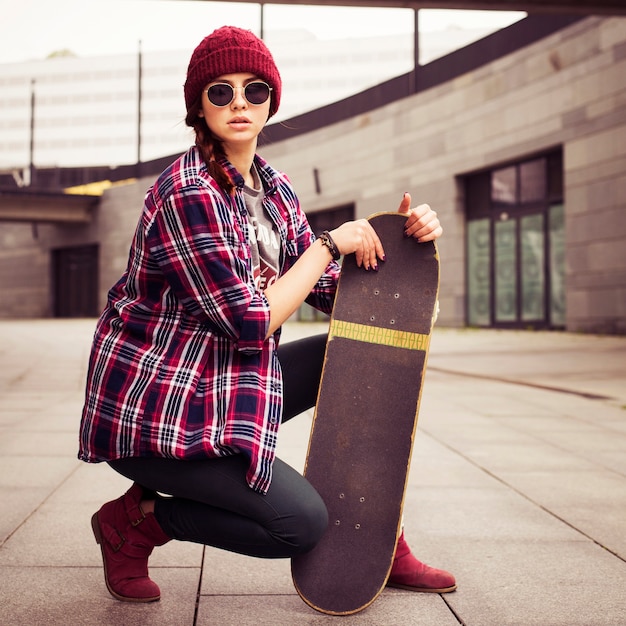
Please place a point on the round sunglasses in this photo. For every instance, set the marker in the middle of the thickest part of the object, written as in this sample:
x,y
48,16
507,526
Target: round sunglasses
x,y
222,94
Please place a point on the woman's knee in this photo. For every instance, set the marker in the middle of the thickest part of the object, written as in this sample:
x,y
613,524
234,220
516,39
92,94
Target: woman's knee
x,y
299,517
310,523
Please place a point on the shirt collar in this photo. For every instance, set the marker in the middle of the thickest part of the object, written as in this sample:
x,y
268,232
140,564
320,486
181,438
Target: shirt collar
x,y
269,176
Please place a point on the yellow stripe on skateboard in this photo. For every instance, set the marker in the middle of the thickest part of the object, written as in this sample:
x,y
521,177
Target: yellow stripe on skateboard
x,y
381,336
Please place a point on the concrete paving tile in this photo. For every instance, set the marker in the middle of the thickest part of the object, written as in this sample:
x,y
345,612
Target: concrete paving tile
x,y
391,608
52,536
25,482
37,472
20,402
30,596
63,417
92,484
600,445
21,444
557,424
606,528
500,448
614,460
494,444
489,514
227,573
511,583
576,497
19,504
435,465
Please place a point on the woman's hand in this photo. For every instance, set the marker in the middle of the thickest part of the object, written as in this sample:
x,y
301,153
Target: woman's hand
x,y
422,223
359,237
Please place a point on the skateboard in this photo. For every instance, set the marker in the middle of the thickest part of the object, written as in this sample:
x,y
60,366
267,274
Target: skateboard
x,y
365,418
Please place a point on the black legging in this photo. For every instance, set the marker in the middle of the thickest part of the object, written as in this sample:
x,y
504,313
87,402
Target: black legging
x,y
211,501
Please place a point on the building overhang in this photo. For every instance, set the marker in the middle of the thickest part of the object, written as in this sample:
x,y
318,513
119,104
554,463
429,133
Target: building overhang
x,y
563,7
21,205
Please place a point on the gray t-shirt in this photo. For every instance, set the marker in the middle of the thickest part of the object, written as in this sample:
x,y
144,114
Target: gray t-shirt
x,y
263,236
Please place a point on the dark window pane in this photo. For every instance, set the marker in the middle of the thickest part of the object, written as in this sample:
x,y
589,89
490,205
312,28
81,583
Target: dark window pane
x,y
504,186
556,233
479,272
506,274
532,267
555,177
477,199
533,181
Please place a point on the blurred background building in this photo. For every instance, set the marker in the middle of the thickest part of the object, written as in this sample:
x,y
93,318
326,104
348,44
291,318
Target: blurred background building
x,y
86,110
518,139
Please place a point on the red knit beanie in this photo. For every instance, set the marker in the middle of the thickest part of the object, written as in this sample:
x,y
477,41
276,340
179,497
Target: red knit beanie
x,y
228,50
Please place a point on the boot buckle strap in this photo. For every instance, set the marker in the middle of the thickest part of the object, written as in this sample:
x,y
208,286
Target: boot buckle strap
x,y
135,514
115,538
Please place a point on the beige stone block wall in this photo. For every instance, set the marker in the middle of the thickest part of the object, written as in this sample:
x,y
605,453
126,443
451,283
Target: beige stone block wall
x,y
116,221
567,90
24,272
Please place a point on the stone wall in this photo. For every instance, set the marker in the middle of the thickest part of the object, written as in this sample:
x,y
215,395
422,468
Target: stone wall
x,y
567,90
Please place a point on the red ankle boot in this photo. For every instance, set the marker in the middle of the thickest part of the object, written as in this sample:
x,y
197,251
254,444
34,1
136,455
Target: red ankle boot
x,y
409,573
126,537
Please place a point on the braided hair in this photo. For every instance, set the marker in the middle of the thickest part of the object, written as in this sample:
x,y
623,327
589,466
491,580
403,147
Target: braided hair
x,y
210,147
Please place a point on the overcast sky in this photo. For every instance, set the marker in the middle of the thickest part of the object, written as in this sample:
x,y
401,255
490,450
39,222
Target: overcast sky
x,y
32,29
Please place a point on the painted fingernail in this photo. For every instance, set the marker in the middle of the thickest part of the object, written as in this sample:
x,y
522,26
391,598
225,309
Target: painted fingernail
x,y
375,268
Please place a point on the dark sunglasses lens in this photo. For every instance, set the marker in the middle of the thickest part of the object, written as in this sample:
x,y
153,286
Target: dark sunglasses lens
x,y
220,95
257,93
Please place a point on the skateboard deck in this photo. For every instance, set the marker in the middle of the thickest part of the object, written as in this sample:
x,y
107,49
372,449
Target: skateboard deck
x,y
365,418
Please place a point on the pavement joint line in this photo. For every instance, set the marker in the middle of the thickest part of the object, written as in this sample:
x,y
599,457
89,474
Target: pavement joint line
x,y
27,517
523,495
524,383
196,608
454,613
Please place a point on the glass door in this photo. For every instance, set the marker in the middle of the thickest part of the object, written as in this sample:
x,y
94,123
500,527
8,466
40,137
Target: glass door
x,y
515,246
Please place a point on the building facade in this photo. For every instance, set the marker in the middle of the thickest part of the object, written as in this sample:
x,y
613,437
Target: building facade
x,y
523,157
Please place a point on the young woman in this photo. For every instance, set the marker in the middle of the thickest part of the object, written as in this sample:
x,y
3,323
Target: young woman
x,y
186,385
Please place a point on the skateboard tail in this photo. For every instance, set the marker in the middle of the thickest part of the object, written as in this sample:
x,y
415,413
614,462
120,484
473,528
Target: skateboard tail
x,y
345,611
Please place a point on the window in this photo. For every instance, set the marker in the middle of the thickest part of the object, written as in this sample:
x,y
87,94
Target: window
x,y
515,244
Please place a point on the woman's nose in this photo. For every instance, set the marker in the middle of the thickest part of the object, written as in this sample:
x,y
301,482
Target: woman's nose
x,y
239,100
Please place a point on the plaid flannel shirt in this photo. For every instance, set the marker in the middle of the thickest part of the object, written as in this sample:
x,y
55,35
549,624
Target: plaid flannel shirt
x,y
180,366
